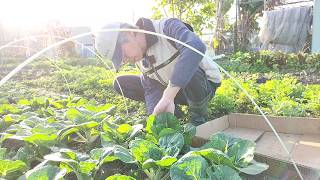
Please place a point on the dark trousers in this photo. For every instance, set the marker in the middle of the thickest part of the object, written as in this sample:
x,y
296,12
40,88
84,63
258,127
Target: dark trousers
x,y
197,94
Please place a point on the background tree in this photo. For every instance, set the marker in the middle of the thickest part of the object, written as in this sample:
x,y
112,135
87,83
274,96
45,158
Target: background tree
x,y
200,14
249,12
219,43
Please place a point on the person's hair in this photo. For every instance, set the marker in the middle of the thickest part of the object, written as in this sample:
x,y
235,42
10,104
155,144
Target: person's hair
x,y
122,37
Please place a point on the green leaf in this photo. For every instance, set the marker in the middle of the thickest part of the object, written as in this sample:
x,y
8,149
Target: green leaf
x,y
87,125
58,157
165,162
87,167
24,102
105,108
220,141
221,172
46,129
123,154
26,154
109,154
143,150
124,129
3,153
107,139
5,136
79,115
189,166
57,105
8,166
72,114
32,121
41,139
110,136
136,129
189,131
69,154
65,132
28,114
66,167
151,138
254,168
172,143
12,118
68,164
167,131
76,128
150,122
162,121
95,154
120,177
215,156
155,153
8,108
44,173
242,152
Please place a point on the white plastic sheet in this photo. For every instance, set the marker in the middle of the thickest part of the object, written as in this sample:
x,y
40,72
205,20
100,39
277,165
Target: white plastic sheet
x,y
285,29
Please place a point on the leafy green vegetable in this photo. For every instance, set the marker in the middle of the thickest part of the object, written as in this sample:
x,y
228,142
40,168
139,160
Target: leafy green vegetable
x,y
8,108
172,143
41,139
111,134
112,153
215,157
189,131
27,154
75,128
254,168
3,153
143,150
71,162
189,166
87,166
221,172
44,173
59,157
120,177
164,120
164,162
220,141
47,128
242,152
124,129
9,166
237,153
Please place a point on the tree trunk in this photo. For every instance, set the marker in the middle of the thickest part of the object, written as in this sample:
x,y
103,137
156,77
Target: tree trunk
x,y
219,27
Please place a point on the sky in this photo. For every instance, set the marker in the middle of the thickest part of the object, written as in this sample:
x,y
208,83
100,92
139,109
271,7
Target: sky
x,y
23,13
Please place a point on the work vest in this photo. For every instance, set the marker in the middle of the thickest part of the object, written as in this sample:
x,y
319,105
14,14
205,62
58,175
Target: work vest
x,y
163,51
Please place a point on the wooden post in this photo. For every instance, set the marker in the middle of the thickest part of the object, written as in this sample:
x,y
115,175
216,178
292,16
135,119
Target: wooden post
x,y
235,42
219,25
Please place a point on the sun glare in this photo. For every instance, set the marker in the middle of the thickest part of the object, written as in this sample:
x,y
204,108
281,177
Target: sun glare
x,y
21,13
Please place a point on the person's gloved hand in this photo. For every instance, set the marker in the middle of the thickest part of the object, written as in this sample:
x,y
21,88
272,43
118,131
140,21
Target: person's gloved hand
x,y
166,103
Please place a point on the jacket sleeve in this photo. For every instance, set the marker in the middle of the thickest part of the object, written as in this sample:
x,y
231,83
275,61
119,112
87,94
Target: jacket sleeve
x,y
188,61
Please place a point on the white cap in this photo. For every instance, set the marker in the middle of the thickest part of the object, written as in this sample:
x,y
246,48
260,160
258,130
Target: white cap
x,y
106,43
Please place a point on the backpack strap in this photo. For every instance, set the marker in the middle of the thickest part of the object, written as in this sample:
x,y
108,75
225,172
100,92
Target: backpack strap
x,y
151,59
